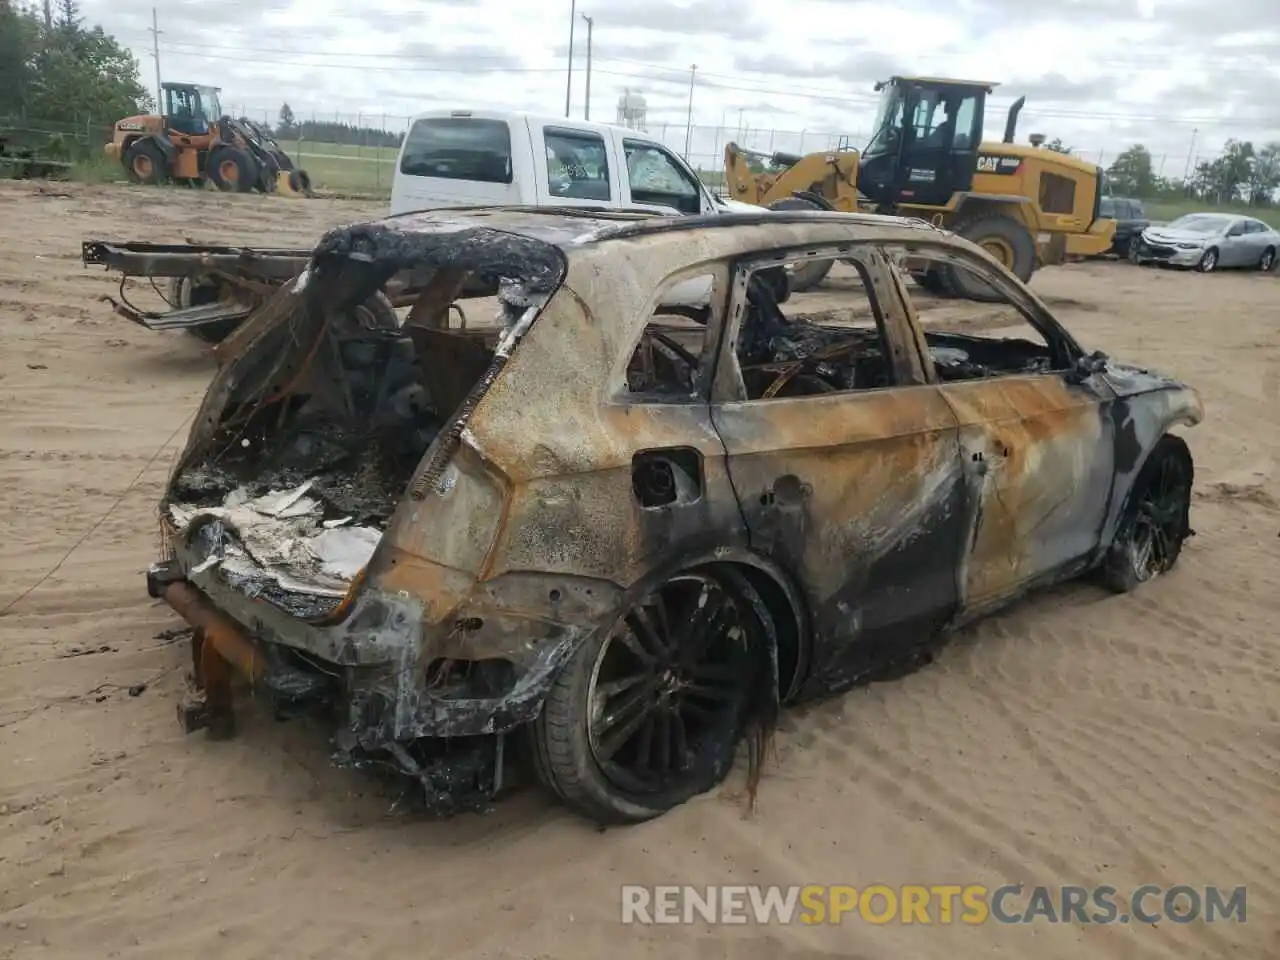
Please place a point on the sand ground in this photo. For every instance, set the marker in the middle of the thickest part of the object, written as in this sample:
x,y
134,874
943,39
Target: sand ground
x,y
1080,738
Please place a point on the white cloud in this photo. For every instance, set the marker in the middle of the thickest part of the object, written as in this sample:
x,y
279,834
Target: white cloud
x,y
1100,74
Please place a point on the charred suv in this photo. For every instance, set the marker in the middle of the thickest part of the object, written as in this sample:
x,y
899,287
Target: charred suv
x,y
624,521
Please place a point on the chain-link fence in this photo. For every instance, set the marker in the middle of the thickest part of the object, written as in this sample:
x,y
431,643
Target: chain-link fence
x,y
355,153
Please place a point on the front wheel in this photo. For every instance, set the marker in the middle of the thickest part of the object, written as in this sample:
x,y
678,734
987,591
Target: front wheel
x,y
1002,237
1268,260
144,163
648,714
1209,262
1156,520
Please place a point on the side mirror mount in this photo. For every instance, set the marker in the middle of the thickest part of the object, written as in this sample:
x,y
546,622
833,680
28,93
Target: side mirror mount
x,y
1087,366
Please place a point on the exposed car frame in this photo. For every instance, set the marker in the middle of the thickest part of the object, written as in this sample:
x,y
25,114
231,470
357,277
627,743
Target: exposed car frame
x,y
839,532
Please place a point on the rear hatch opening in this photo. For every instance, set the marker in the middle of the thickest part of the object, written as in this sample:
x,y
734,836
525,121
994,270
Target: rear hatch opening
x,y
355,375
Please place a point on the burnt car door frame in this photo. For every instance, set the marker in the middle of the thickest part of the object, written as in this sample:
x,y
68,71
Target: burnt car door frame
x,y
673,440
857,494
1039,449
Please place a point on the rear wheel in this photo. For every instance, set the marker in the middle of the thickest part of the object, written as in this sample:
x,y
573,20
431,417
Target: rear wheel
x,y
1133,252
1003,238
648,715
144,163
804,276
1156,519
1268,260
231,169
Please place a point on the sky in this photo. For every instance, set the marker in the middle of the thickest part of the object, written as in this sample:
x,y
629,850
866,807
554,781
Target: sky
x,y
1181,76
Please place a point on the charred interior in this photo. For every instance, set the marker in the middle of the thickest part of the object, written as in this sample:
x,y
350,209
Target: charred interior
x,y
330,412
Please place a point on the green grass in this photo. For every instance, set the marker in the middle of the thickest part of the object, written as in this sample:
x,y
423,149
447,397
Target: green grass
x,y
1172,209
98,169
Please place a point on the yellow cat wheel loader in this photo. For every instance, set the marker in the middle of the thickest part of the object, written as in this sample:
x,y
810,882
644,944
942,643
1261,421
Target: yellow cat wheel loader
x,y
1027,206
193,142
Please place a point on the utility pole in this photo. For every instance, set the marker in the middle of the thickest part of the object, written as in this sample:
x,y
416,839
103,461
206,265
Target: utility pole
x,y
1186,171
568,83
688,120
586,110
155,52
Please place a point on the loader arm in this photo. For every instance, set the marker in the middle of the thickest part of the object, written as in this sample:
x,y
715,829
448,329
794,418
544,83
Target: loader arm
x,y
831,175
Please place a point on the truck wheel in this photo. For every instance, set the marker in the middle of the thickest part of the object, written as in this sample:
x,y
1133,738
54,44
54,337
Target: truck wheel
x,y
144,163
804,276
1005,239
648,714
231,169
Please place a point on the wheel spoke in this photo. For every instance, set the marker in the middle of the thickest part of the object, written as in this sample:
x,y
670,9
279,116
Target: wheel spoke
x,y
644,745
607,691
714,672
697,711
662,732
628,705
708,692
629,637
680,741
617,739
651,637
702,630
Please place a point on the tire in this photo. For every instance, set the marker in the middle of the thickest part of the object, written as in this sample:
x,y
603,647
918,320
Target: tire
x,y
300,182
1209,262
569,750
932,281
1268,261
144,162
809,275
1133,255
1161,497
193,292
1018,253
231,169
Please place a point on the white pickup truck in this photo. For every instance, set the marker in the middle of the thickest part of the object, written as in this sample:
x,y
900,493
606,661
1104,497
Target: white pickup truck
x,y
456,158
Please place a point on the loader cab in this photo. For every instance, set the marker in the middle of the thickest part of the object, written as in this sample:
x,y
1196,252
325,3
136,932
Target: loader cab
x,y
926,139
190,109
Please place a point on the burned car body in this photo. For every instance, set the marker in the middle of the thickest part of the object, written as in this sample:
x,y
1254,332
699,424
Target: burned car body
x,y
623,522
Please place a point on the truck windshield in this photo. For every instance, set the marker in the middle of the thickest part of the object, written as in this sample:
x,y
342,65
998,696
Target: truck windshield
x,y
888,124
209,103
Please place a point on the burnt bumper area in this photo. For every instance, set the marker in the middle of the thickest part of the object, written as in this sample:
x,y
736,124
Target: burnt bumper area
x,y
220,649
456,768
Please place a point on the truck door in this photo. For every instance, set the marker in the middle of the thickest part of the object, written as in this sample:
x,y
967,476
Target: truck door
x,y
572,166
658,180
943,131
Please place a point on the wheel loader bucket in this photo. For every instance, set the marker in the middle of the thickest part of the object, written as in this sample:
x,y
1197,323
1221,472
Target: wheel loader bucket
x,y
293,183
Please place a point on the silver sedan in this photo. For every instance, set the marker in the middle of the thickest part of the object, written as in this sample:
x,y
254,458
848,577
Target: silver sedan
x,y
1207,241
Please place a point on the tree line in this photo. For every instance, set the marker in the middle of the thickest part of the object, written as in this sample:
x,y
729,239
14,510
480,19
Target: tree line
x,y
289,127
1242,174
55,68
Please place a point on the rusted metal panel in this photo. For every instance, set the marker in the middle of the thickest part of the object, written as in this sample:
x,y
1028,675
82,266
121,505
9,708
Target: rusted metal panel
x,y
1040,455
860,495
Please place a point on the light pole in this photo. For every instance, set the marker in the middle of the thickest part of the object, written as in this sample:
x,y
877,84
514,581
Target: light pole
x,y
586,110
568,81
688,121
